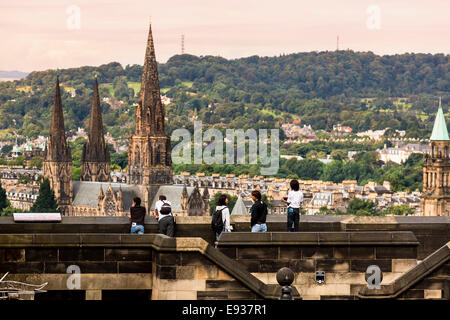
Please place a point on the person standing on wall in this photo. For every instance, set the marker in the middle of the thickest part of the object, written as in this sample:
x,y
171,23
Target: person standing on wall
x,y
137,215
294,201
163,212
221,218
258,213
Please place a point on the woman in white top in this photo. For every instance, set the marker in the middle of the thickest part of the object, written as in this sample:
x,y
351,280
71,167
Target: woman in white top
x,y
222,205
294,200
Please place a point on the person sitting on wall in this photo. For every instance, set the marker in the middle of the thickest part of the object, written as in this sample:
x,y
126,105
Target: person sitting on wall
x,y
163,212
137,215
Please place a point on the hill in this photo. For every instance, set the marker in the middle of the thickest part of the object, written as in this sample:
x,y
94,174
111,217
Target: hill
x,y
358,89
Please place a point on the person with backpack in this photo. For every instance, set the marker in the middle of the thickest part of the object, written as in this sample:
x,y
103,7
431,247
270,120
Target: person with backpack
x,y
137,215
163,212
294,201
258,213
221,217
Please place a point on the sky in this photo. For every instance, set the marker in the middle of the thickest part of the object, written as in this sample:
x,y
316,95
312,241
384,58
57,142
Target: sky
x,y
50,34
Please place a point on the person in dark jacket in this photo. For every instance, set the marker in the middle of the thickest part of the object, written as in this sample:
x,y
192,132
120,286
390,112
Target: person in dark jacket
x,y
258,213
137,215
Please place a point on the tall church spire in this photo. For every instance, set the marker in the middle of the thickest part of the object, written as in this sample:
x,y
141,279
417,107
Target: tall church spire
x,y
57,147
95,157
149,153
57,165
150,119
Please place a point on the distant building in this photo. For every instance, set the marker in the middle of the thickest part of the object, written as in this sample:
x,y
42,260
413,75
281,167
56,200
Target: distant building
x,y
436,171
401,154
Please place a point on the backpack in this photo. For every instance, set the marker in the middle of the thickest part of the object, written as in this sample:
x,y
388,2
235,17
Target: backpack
x,y
165,208
217,222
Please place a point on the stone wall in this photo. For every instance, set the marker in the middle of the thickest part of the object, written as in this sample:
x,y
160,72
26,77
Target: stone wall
x,y
343,256
431,232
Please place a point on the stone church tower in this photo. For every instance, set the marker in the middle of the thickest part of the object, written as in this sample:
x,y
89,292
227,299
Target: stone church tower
x,y
149,153
436,171
57,165
95,158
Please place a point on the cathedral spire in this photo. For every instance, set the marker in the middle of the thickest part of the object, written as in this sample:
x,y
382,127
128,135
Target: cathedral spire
x,y
151,117
57,148
96,148
95,157
57,164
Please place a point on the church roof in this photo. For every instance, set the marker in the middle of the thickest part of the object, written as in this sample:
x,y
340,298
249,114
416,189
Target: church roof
x,y
85,193
239,207
440,132
173,194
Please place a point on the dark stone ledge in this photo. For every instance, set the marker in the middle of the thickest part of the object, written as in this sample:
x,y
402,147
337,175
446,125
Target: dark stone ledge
x,y
391,238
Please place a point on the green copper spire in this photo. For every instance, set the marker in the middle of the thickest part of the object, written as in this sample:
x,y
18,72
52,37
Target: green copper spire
x,y
440,132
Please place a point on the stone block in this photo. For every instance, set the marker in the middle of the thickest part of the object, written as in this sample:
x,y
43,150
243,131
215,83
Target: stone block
x,y
85,267
195,285
167,295
100,239
230,252
250,265
195,259
361,252
331,265
134,267
14,240
186,272
84,254
341,252
272,265
223,275
400,252
167,259
317,252
57,239
412,294
356,288
361,265
241,295
128,254
186,295
345,277
332,289
258,253
304,265
22,267
166,272
304,278
212,295
206,272
310,297
403,265
38,254
224,285
290,252
431,284
93,294
14,255
432,294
